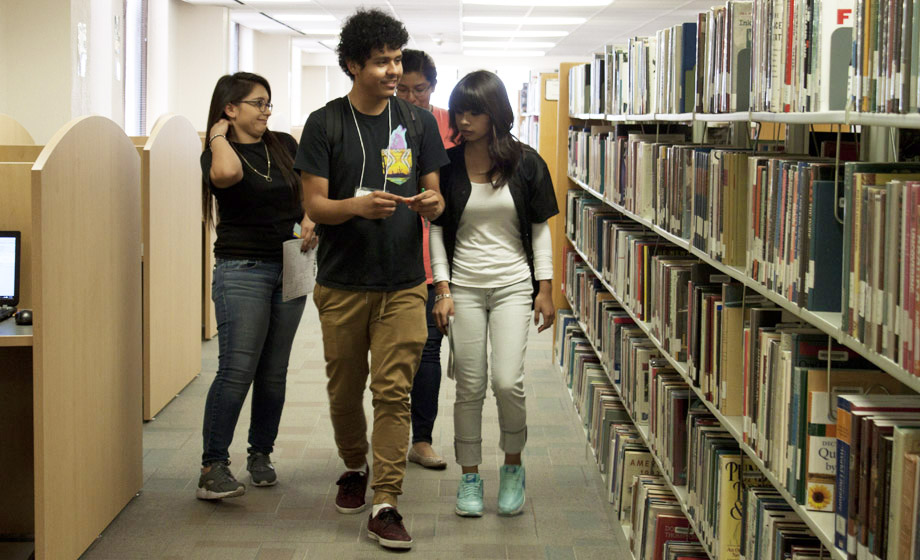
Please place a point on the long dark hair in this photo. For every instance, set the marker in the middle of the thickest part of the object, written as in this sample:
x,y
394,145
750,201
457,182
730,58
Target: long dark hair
x,y
233,89
483,92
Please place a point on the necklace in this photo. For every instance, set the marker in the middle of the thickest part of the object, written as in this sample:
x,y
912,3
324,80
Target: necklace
x,y
386,168
268,173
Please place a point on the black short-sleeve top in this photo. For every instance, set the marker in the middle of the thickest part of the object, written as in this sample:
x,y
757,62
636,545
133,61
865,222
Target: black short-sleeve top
x,y
255,216
361,254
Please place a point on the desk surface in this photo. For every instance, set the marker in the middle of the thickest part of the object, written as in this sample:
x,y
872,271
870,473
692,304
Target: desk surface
x,y
12,334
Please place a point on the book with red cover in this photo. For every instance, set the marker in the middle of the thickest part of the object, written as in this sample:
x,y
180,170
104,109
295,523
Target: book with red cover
x,y
670,527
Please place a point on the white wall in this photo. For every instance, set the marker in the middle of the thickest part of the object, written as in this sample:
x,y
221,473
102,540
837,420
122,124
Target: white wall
x,y
322,80
199,54
98,34
36,65
272,60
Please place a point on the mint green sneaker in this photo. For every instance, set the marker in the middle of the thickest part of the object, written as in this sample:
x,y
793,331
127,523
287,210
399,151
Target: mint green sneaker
x,y
469,496
511,490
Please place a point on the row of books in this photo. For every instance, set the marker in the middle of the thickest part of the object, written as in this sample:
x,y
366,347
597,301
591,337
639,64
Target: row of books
x,y
682,432
828,237
886,52
761,55
789,377
658,528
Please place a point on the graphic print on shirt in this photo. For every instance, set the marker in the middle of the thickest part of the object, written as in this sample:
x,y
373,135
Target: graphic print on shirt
x,y
397,159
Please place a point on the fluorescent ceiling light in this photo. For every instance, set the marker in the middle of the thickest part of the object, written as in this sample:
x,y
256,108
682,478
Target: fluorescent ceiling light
x,y
302,17
258,2
506,44
522,33
512,20
331,43
497,53
540,3
309,31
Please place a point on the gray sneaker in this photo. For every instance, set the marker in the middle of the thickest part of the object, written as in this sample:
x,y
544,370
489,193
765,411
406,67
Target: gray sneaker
x,y
261,469
219,483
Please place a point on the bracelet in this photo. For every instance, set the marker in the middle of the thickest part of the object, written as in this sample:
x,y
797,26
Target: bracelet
x,y
211,139
439,297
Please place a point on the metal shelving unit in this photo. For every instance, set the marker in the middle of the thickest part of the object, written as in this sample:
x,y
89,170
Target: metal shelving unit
x,y
850,118
822,523
680,492
827,322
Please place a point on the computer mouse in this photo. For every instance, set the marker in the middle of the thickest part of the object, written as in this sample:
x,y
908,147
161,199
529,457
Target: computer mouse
x,y
24,317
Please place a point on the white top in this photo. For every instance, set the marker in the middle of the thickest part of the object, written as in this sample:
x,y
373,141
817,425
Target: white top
x,y
489,252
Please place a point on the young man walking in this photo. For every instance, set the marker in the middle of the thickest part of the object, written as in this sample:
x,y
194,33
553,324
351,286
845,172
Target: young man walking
x,y
369,164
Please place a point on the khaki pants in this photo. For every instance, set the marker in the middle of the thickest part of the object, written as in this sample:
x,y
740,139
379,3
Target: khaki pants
x,y
392,326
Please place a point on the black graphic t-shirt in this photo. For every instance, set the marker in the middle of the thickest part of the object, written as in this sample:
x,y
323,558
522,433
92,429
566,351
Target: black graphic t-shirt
x,y
361,254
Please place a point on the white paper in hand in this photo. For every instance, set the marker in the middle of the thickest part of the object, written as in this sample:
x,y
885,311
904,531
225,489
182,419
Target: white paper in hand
x,y
299,274
450,344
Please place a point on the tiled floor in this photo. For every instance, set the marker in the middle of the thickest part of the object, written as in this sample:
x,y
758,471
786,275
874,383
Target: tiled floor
x,y
565,517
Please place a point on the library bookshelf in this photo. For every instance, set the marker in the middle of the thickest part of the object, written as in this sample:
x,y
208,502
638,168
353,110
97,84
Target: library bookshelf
x,y
822,524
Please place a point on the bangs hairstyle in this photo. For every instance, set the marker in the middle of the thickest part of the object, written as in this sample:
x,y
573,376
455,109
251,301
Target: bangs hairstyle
x,y
366,30
483,92
232,90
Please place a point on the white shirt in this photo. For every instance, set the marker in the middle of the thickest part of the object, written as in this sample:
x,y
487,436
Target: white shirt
x,y
489,252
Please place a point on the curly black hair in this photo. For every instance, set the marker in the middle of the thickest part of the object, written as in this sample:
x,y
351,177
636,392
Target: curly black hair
x,y
419,61
366,30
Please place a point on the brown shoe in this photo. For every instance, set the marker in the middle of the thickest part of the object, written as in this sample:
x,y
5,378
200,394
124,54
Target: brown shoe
x,y
429,462
387,529
352,487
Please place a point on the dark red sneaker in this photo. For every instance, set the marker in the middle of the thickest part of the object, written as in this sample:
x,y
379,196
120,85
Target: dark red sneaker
x,y
387,529
352,487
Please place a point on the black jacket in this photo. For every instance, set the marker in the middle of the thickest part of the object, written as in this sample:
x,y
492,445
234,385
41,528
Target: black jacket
x,y
531,189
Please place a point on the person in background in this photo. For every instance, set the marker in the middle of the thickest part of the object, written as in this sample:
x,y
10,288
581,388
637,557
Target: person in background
x,y
419,79
416,86
249,171
370,163
491,255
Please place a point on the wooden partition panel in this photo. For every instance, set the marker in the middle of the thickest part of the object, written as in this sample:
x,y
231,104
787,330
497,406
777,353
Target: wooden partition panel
x,y
208,317
16,215
170,187
208,237
562,183
86,265
20,152
11,132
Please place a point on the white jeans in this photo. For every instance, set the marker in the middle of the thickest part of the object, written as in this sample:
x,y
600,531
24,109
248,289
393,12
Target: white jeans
x,y
504,315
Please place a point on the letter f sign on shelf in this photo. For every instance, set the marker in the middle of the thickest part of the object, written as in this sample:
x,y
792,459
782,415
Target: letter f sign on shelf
x,y
843,15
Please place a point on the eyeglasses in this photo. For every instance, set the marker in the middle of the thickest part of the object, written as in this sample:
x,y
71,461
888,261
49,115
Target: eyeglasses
x,y
259,104
418,90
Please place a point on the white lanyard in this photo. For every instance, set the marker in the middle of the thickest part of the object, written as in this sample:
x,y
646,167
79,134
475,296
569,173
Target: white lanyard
x,y
386,168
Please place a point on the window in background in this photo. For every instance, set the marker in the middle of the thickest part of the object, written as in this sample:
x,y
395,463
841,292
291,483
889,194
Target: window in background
x,y
136,67
234,47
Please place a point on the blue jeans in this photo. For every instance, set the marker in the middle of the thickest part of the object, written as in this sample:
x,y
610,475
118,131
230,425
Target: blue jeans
x,y
427,382
255,331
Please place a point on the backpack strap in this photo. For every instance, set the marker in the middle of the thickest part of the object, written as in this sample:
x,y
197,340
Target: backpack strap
x,y
335,114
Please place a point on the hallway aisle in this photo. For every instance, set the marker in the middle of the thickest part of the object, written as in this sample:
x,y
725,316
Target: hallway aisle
x,y
566,515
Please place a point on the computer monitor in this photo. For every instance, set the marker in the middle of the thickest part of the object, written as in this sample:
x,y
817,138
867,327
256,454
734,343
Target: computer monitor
x,y
10,254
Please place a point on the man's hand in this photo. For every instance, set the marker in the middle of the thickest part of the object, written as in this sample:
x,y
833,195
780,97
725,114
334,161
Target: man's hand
x,y
308,234
378,204
429,204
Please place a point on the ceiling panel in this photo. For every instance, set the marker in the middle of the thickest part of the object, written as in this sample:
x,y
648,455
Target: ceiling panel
x,y
437,23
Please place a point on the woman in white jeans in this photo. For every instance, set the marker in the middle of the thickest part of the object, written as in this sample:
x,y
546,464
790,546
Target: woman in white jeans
x,y
491,257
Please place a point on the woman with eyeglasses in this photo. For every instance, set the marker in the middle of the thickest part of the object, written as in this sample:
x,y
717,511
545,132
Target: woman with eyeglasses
x,y
249,171
416,86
